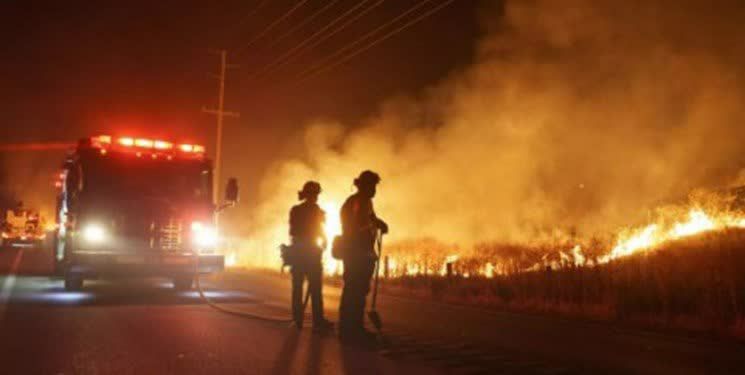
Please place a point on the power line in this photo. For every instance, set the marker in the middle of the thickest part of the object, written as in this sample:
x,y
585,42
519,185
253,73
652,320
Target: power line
x,y
270,27
367,36
319,69
287,56
304,23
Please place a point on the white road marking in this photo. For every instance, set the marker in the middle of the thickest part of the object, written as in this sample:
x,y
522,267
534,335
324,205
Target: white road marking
x,y
10,282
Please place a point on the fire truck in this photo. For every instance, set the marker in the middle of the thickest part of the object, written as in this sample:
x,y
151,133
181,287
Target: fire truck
x,y
22,227
137,207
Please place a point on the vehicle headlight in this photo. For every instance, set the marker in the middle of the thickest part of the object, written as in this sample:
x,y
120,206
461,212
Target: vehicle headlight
x,y
94,233
204,236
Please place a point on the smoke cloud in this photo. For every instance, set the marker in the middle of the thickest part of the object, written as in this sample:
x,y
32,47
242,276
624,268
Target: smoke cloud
x,y
577,116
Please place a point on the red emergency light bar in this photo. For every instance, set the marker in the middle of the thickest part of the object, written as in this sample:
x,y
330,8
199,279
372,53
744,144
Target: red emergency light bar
x,y
104,142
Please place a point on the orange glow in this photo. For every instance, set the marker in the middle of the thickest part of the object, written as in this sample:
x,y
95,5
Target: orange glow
x,y
199,149
186,147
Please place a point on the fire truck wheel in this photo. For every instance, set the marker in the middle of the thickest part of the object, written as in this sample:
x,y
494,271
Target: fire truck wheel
x,y
183,283
73,283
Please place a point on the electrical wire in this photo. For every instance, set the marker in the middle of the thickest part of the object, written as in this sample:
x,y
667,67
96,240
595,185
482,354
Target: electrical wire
x,y
302,46
372,33
304,23
270,27
365,37
320,69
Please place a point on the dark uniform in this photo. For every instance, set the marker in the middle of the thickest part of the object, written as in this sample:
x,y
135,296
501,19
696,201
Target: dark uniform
x,y
306,229
360,227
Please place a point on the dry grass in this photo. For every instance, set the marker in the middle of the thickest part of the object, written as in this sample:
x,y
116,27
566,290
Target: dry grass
x,y
695,284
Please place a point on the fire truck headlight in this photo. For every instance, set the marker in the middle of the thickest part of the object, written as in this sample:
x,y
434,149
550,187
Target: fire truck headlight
x,y
204,236
94,233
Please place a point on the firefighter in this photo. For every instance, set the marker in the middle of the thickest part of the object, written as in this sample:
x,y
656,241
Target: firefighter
x,y
308,241
360,228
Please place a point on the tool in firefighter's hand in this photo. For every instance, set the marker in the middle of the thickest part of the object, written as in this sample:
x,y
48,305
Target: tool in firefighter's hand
x,y
373,314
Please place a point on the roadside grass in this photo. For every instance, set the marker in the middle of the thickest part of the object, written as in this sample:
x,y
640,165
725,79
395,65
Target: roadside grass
x,y
694,284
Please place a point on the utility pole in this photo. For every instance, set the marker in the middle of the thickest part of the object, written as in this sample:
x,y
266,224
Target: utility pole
x,y
220,113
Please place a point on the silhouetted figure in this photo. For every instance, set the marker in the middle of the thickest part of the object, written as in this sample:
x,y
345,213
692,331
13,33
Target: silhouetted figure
x,y
308,241
360,228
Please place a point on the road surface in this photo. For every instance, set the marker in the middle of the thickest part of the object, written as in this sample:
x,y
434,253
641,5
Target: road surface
x,y
140,327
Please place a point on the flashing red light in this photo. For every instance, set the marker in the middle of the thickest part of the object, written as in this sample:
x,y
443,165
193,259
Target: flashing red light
x,y
103,142
58,184
162,145
190,148
144,143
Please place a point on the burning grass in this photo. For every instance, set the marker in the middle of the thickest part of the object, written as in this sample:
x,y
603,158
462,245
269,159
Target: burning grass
x,y
684,268
694,283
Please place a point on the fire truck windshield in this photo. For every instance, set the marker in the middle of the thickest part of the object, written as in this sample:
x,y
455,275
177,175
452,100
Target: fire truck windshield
x,y
131,177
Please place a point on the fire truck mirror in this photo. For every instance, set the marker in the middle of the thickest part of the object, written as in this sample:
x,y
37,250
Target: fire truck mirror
x,y
231,190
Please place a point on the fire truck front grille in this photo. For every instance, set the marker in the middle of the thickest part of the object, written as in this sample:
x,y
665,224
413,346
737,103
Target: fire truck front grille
x,y
171,235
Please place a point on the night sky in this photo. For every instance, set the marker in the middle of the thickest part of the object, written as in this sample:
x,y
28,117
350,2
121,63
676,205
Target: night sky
x,y
73,68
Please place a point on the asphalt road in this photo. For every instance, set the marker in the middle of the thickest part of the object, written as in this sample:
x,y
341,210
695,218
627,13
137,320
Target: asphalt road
x,y
144,327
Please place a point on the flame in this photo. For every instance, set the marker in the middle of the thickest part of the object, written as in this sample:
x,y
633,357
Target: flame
x,y
422,257
489,270
698,221
331,229
231,259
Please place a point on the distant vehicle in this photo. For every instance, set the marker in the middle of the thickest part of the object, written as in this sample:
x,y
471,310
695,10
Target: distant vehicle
x,y
22,227
136,207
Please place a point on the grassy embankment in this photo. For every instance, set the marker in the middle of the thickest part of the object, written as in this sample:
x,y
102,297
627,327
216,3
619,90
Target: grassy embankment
x,y
695,284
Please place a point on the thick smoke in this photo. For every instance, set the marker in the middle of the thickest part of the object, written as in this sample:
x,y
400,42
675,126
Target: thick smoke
x,y
577,117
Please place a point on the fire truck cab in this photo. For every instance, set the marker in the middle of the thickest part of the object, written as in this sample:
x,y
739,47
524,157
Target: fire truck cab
x,y
137,207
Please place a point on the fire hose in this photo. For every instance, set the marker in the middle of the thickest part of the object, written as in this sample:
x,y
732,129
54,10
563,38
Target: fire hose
x,y
373,314
243,314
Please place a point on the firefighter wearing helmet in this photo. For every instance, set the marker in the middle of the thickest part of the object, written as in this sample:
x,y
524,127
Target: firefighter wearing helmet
x,y
360,225
308,241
